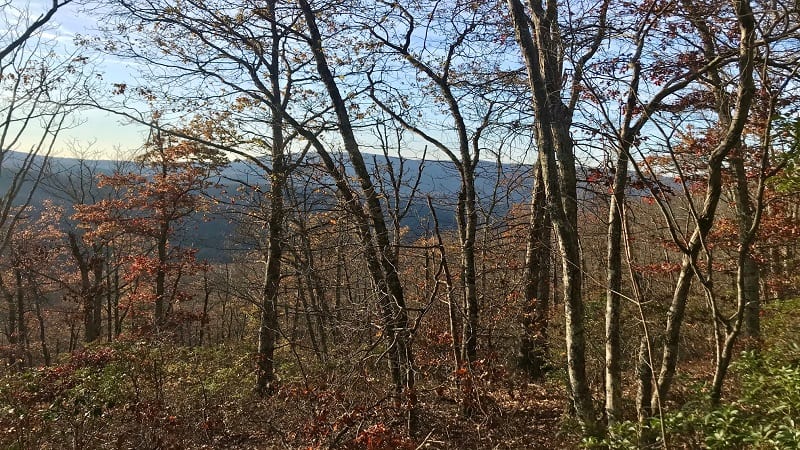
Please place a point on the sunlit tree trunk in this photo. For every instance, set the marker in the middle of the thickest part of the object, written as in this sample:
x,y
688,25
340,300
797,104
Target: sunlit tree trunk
x,y
538,36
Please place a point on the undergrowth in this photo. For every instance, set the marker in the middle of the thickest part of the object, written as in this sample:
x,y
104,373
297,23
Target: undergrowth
x,y
763,411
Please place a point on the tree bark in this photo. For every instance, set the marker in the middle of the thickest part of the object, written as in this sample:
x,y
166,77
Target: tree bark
x,y
752,299
747,265
467,224
12,333
160,303
616,216
23,346
377,247
90,292
553,122
268,329
644,395
37,309
533,347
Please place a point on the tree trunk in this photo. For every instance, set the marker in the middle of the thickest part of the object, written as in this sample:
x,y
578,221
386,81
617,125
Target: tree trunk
x,y
90,292
377,248
745,214
553,122
98,287
318,313
644,394
268,329
732,329
111,305
675,315
42,328
23,346
467,224
12,333
752,310
201,338
160,307
533,347
453,312
616,216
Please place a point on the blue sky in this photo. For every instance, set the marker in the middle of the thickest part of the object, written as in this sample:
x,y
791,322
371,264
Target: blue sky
x,y
104,135
98,133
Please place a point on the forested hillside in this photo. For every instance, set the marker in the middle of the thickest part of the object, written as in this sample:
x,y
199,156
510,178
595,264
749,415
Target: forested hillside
x,y
380,225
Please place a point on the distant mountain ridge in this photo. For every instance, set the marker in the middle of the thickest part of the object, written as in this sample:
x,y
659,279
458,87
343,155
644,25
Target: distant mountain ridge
x,y
497,190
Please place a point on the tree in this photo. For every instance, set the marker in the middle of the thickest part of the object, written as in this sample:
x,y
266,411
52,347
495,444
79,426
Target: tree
x,y
260,81
752,166
372,229
231,58
629,100
76,185
36,85
704,216
536,278
154,205
539,35
472,99
34,245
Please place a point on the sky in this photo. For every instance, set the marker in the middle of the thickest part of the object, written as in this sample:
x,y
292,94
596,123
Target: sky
x,y
103,135
96,134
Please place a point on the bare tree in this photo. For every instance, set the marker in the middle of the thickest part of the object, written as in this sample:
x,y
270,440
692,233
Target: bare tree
x,y
36,82
463,92
704,216
541,39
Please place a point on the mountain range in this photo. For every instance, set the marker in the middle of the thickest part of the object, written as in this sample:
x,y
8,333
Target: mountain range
x,y
498,188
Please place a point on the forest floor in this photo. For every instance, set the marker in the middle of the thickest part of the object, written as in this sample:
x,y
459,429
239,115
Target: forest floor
x,y
146,394
529,418
139,395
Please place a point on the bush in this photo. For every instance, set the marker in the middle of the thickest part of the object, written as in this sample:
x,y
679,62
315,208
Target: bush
x,y
764,416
